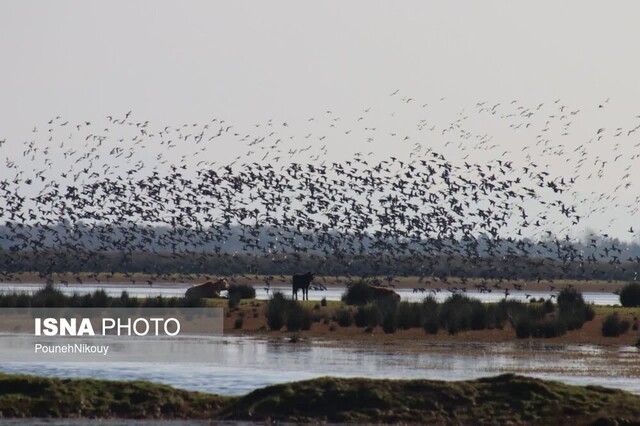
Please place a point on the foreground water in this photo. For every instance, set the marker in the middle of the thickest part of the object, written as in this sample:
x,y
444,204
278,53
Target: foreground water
x,y
239,365
178,290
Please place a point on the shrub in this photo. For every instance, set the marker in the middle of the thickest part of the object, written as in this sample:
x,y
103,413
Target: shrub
x,y
275,311
548,306
366,315
358,293
630,295
242,291
388,311
613,326
343,317
459,312
298,317
238,323
572,308
409,315
390,322
234,300
495,317
430,321
523,327
125,301
533,321
48,297
100,298
548,328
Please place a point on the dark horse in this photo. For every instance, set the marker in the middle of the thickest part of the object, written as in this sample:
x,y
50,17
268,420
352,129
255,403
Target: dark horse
x,y
302,282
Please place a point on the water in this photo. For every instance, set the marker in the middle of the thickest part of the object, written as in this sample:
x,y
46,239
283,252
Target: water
x,y
242,364
178,290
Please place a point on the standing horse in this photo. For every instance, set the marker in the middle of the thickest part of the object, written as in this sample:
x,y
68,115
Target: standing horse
x,y
302,282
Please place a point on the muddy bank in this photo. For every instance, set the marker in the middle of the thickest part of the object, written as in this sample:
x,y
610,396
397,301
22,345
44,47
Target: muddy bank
x,y
248,318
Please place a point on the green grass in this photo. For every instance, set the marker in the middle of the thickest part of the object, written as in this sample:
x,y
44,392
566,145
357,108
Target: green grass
x,y
506,399
605,310
29,396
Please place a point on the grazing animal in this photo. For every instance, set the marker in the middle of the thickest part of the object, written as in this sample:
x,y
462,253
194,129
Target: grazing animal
x,y
382,292
302,282
209,289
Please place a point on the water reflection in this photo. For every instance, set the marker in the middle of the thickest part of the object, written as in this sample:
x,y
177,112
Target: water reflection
x,y
244,364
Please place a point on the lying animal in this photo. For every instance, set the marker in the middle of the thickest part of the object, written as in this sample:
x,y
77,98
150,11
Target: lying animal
x,y
382,292
209,289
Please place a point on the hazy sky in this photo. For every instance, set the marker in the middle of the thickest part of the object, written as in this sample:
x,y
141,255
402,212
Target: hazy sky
x,y
250,61
174,61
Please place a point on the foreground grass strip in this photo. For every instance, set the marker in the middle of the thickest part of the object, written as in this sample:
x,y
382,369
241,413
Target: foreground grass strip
x,y
31,396
496,400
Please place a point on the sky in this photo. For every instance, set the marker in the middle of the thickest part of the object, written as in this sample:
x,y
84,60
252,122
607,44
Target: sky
x,y
249,62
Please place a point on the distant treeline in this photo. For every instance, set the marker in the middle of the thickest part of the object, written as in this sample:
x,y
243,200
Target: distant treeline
x,y
78,247
51,261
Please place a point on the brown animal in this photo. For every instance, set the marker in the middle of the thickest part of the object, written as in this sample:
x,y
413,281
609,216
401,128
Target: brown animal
x,y
382,292
208,289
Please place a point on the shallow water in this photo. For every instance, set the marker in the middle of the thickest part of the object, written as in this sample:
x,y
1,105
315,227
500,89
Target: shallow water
x,y
178,290
243,364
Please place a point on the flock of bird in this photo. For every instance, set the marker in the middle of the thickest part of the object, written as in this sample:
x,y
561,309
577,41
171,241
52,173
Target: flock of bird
x,y
126,187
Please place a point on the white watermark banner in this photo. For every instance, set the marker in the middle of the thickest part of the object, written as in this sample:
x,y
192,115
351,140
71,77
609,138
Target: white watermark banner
x,y
109,334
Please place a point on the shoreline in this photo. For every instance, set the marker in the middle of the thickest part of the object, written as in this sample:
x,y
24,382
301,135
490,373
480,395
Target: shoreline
x,y
334,283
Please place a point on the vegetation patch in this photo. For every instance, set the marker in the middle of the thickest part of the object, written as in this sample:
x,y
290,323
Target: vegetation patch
x,y
281,311
51,297
29,396
630,295
613,326
505,399
241,291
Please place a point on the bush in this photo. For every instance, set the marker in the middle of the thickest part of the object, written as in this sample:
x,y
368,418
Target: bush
x,y
388,311
358,293
409,315
238,323
630,295
48,297
612,326
275,311
573,309
523,327
234,300
548,328
366,315
242,291
343,317
533,320
430,309
495,317
458,313
298,317
390,322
